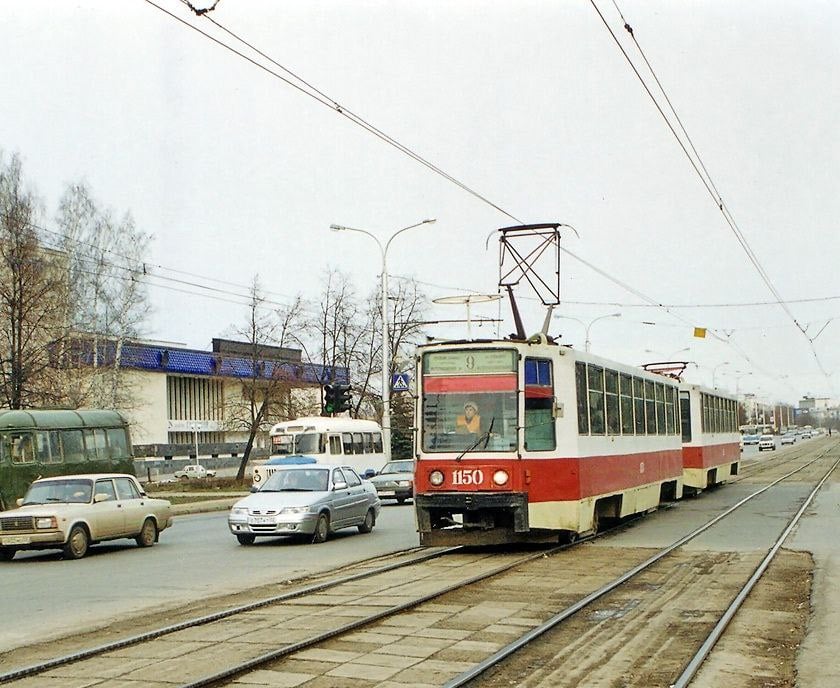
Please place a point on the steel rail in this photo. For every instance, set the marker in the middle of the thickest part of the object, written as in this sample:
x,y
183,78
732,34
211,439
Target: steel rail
x,y
216,616
268,657
465,677
697,660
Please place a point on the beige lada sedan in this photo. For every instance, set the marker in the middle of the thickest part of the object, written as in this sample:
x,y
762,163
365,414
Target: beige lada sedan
x,y
72,512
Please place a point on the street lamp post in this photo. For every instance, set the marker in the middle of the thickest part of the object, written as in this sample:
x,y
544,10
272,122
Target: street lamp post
x,y
386,358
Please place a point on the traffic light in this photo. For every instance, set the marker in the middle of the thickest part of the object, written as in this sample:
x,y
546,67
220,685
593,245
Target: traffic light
x,y
337,398
342,398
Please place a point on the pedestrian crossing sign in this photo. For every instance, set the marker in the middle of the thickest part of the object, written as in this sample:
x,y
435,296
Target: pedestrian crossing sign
x,y
399,382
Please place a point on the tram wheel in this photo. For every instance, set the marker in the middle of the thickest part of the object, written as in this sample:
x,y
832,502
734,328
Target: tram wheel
x,y
568,537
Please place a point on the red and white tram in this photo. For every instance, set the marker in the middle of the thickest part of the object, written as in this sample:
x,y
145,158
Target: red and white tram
x,y
530,441
710,435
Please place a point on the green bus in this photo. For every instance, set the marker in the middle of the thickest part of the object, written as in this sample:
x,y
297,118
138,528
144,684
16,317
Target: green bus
x,y
42,443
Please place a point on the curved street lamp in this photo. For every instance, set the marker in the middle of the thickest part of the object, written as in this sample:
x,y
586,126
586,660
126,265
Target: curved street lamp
x,y
587,343
386,357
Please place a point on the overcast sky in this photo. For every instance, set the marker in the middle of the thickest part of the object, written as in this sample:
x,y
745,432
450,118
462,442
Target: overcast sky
x,y
531,104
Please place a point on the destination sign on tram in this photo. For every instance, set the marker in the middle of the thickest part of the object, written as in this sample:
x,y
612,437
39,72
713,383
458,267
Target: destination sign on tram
x,y
470,362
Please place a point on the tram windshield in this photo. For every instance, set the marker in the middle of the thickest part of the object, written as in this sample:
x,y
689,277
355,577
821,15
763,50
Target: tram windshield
x,y
469,401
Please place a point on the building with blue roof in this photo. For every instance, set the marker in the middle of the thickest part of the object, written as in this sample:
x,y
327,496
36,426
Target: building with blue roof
x,y
183,395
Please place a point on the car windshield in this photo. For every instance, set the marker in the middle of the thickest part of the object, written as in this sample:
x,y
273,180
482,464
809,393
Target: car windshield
x,y
72,491
306,480
398,467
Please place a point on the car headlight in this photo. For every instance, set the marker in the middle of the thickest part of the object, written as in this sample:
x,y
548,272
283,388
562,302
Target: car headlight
x,y
436,478
239,511
294,510
46,523
500,477
404,483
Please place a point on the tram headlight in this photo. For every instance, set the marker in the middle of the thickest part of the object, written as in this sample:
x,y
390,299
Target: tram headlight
x,y
436,478
501,477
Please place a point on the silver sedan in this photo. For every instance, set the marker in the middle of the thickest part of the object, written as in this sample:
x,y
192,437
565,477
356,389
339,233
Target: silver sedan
x,y
306,500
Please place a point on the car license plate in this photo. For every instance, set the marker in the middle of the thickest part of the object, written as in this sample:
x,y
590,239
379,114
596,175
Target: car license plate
x,y
261,520
15,540
386,493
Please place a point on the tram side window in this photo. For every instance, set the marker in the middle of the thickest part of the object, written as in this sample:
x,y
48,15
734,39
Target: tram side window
x,y
639,405
669,411
539,403
685,416
367,440
347,441
335,445
595,377
611,398
73,445
582,399
358,444
650,407
377,443
626,402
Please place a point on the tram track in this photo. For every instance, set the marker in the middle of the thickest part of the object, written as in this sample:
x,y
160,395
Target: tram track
x,y
252,629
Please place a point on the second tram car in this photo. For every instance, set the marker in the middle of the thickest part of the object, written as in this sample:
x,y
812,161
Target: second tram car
x,y
530,441
710,435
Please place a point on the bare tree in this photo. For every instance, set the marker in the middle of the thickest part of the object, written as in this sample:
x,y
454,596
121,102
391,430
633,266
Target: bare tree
x,y
266,392
107,301
31,294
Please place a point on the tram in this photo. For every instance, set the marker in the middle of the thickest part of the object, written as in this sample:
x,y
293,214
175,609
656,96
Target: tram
x,y
528,441
710,436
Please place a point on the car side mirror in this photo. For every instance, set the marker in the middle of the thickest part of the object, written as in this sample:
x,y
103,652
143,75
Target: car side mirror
x,y
340,486
254,488
19,501
100,497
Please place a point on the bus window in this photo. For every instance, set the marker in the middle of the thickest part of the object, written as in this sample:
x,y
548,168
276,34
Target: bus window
x,y
55,447
118,443
358,446
335,445
347,440
367,440
377,443
310,443
42,447
21,449
74,448
95,449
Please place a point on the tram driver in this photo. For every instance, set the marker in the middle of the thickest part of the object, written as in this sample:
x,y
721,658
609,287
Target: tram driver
x,y
470,422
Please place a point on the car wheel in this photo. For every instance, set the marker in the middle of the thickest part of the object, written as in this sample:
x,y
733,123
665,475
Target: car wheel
x,y
77,543
369,522
245,538
322,529
148,534
184,478
7,553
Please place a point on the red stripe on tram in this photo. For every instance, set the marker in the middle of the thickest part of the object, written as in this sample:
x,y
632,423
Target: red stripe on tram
x,y
470,383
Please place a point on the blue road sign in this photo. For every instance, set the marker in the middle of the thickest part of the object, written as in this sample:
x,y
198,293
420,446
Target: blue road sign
x,y
399,382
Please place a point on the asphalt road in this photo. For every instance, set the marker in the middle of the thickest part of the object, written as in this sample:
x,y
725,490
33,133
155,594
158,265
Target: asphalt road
x,y
45,596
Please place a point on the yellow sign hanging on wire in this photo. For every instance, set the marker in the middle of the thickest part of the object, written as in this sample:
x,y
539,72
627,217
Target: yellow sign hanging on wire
x,y
700,332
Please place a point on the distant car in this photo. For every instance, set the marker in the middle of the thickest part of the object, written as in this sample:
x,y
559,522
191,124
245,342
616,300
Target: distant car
x,y
751,439
72,512
766,442
395,480
194,471
309,500
805,434
788,438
